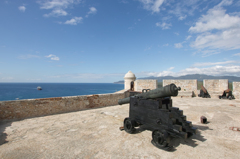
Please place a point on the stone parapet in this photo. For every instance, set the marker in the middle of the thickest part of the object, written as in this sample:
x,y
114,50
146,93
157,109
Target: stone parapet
x,y
21,109
236,90
217,85
139,85
188,87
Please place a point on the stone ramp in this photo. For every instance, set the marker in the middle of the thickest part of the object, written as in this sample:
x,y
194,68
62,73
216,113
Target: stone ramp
x,y
95,134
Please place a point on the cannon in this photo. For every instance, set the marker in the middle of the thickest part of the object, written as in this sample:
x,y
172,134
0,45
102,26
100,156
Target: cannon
x,y
227,94
167,91
152,110
204,93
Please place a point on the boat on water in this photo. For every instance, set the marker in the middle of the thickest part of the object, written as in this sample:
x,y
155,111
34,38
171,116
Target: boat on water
x,y
39,88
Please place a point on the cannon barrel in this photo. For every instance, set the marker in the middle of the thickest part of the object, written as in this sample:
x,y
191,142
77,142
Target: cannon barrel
x,y
166,91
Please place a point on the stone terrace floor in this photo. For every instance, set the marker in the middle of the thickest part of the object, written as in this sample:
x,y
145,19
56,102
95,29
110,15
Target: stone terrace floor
x,y
95,134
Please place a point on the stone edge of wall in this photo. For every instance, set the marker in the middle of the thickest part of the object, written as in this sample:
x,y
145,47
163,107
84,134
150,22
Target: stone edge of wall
x,y
29,108
236,89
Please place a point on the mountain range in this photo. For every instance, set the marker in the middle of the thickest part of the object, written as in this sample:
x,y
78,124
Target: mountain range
x,y
199,77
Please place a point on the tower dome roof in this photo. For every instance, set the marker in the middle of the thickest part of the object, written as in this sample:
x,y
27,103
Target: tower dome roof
x,y
129,75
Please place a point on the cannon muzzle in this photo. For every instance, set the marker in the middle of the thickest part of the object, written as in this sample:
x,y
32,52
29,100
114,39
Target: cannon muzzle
x,y
166,91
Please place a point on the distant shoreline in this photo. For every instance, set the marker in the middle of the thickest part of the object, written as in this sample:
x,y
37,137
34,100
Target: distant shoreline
x,y
118,82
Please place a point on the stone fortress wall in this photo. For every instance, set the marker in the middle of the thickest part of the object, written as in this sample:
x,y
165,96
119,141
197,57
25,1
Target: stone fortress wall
x,y
21,109
189,87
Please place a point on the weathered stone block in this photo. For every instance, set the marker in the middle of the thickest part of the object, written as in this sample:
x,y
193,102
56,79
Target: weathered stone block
x,y
236,90
218,85
139,85
188,87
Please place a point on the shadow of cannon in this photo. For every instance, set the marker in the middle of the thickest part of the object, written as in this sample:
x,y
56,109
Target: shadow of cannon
x,y
175,142
3,135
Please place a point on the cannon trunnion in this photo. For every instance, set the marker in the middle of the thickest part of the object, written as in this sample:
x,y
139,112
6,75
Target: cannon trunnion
x,y
158,116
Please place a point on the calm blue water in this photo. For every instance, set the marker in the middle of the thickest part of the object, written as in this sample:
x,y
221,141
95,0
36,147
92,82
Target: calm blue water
x,y
11,91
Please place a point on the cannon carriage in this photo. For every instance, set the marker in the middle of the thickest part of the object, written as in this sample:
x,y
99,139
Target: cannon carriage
x,y
153,110
227,94
204,93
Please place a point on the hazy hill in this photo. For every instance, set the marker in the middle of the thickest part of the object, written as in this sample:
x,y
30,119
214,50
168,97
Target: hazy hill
x,y
199,77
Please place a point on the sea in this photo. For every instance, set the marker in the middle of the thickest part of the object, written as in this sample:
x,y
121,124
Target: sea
x,y
18,91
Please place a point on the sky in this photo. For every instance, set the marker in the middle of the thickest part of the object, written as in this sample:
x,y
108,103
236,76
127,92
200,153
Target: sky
x,y
92,41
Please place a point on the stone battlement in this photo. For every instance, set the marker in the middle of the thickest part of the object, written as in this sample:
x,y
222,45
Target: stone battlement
x,y
21,109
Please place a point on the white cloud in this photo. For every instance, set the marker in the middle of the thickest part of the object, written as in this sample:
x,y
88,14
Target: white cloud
x,y
74,21
178,45
152,5
22,8
233,70
213,63
182,17
56,13
238,54
217,30
166,18
164,25
181,9
188,37
57,6
206,53
51,4
216,18
162,73
215,70
165,44
225,3
53,57
92,10
168,72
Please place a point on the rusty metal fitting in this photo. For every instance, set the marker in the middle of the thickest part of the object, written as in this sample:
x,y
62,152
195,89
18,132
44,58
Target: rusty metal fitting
x,y
121,128
234,128
203,119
